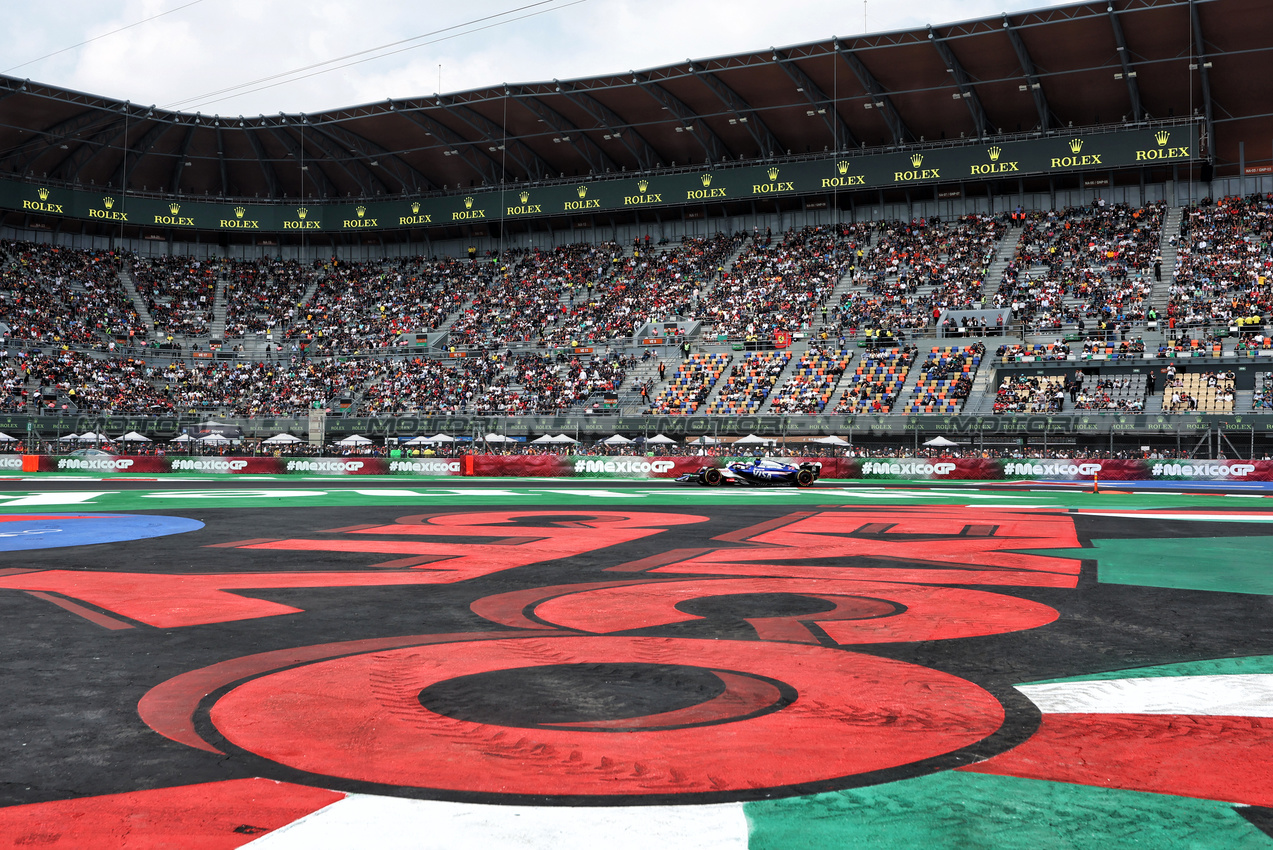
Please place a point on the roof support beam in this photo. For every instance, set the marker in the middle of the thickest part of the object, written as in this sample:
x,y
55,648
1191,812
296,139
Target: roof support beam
x,y
760,133
330,147
1034,85
879,98
1129,73
1204,71
597,159
58,134
91,148
713,147
818,99
536,166
377,151
327,189
643,153
479,160
180,165
133,155
267,168
225,182
963,83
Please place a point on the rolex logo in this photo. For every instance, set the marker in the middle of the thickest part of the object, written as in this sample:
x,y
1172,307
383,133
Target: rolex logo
x,y
642,185
582,191
174,208
773,174
995,153
302,212
238,212
842,166
468,203
362,211
43,193
108,202
415,207
1076,145
524,196
1161,137
706,180
917,159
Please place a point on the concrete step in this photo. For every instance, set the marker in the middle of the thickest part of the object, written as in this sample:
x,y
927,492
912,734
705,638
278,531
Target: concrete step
x,y
139,303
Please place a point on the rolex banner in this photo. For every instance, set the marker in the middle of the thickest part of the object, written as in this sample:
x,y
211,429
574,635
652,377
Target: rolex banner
x,y
1058,154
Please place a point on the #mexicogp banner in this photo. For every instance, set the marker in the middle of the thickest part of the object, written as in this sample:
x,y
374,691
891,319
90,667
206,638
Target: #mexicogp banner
x,y
585,466
1070,152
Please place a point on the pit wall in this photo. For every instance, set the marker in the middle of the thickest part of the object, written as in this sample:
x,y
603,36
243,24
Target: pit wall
x,y
583,466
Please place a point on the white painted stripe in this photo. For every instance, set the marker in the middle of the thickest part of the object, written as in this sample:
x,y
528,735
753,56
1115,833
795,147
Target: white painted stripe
x,y
1198,517
391,823
1247,695
63,498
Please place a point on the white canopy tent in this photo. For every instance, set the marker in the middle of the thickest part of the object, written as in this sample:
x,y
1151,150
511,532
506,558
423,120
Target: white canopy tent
x,y
214,440
419,441
134,437
498,438
5,438
184,438
940,441
441,438
354,440
562,439
69,438
661,440
547,438
753,440
281,440
90,437
831,441
616,440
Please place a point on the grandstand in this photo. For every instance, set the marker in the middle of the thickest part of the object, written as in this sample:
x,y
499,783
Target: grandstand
x,y
933,248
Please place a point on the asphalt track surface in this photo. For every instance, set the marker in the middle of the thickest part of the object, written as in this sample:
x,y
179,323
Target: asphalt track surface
x,y
346,662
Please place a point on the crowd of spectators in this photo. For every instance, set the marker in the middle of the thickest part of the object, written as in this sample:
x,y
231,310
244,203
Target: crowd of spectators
x,y
1083,264
179,292
782,286
1224,264
64,295
913,271
98,384
1029,394
265,388
263,295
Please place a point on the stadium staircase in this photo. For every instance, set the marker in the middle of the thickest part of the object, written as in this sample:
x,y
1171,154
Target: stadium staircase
x,y
1161,293
1004,252
216,328
139,303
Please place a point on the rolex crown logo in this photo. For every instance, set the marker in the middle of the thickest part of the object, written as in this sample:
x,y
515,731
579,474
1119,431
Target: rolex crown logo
x,y
706,180
1076,145
642,185
917,159
582,191
773,174
174,208
1161,137
302,212
468,203
524,196
415,207
362,211
995,153
43,193
842,166
108,202
238,212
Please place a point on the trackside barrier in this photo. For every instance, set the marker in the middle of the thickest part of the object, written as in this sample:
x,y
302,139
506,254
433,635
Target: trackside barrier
x,y
587,466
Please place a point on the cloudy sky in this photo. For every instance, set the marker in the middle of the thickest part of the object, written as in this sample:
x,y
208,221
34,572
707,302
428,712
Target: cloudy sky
x,y
250,57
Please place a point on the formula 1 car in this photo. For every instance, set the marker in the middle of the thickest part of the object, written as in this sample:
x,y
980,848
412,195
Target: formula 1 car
x,y
758,472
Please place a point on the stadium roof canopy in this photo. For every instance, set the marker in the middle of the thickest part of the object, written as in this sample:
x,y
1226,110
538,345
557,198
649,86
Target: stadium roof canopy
x,y
1076,66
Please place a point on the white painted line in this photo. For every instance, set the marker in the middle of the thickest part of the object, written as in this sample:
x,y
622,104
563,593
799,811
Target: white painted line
x,y
1247,695
391,823
65,498
1198,517
595,494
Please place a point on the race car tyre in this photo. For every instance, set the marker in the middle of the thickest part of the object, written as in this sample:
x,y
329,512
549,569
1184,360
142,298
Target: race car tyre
x,y
804,478
712,477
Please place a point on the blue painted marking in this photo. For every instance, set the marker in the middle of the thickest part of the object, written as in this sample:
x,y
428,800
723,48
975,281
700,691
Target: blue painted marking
x,y
54,531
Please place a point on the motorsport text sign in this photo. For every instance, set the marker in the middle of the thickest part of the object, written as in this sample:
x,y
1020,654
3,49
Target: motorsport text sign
x,y
1051,155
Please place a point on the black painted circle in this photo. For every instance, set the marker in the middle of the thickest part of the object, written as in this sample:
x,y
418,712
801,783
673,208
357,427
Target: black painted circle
x,y
571,693
738,606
